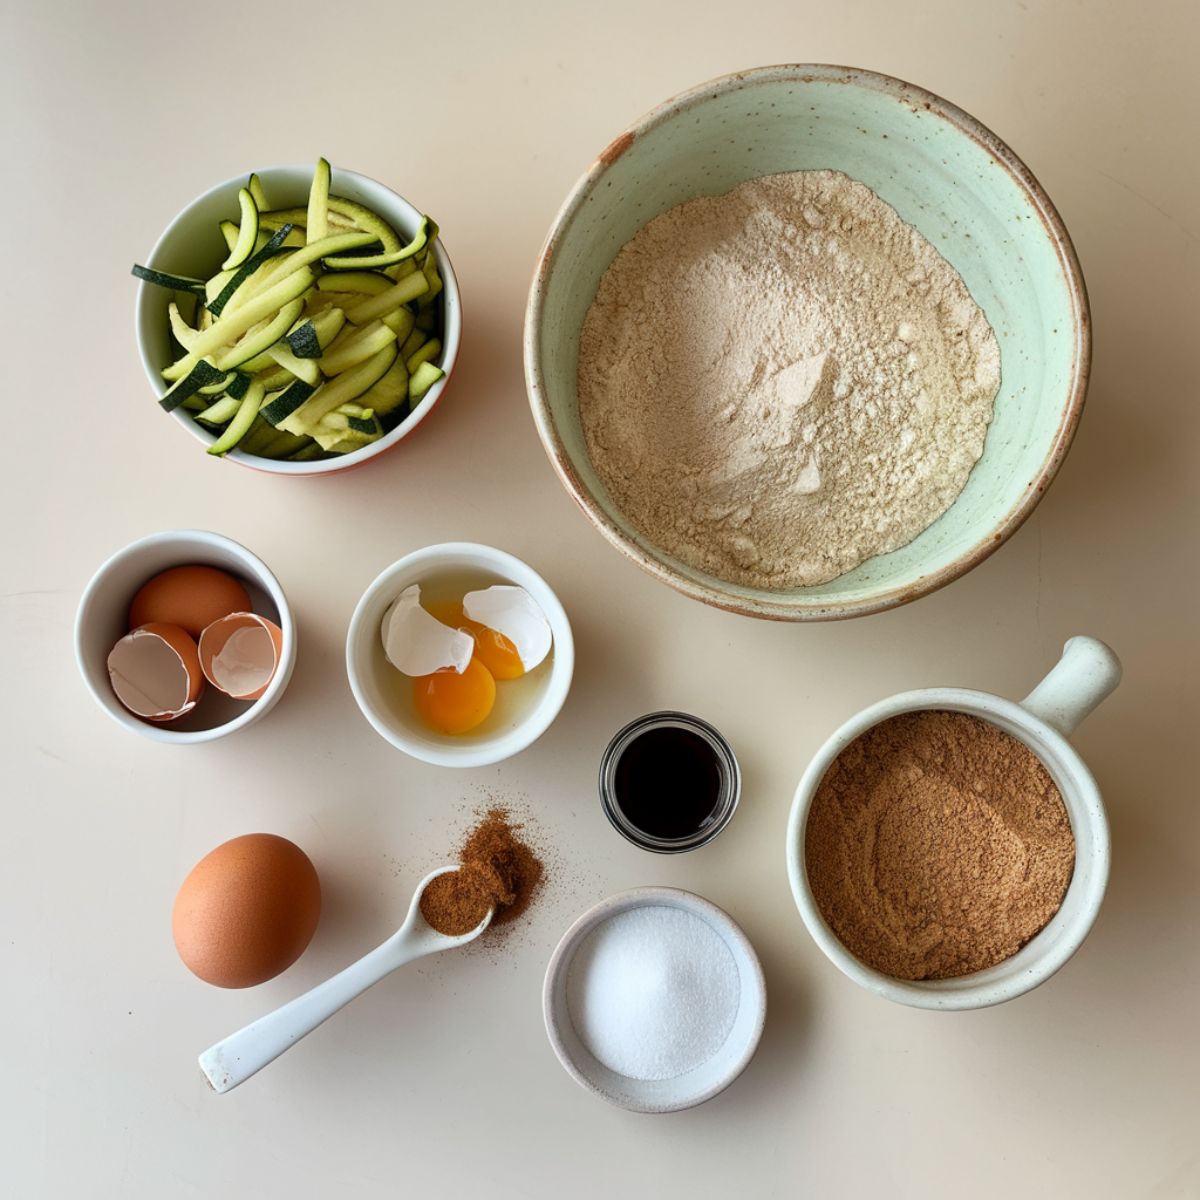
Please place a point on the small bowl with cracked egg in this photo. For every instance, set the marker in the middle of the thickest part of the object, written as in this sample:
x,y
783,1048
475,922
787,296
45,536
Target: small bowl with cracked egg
x,y
482,709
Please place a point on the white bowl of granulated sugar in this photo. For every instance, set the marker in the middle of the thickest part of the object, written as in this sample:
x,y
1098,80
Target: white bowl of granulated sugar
x,y
807,342
654,1000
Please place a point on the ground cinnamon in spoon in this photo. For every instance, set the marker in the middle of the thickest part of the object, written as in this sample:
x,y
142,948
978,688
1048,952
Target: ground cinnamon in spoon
x,y
496,868
937,845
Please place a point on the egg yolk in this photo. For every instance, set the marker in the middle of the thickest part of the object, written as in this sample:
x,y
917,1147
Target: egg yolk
x,y
495,651
453,703
492,649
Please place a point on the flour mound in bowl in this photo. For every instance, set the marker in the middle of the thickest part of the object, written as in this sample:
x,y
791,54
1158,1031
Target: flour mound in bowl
x,y
781,382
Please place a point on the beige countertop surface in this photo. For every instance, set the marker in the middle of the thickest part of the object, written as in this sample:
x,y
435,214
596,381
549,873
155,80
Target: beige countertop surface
x,y
440,1079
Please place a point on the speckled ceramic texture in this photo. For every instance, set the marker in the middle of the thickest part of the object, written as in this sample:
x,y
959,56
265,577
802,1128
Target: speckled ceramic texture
x,y
943,172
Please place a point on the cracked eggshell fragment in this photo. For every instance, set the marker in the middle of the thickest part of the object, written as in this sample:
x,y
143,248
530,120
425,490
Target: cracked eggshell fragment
x,y
239,654
512,611
155,672
417,643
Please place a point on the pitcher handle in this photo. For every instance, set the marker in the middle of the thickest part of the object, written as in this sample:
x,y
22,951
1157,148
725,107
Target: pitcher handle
x,y
1084,676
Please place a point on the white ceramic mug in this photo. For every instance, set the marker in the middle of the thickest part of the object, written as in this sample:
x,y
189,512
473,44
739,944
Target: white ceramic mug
x,y
1087,672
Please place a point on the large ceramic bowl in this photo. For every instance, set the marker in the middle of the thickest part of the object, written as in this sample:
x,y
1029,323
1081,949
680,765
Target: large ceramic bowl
x,y
947,175
191,245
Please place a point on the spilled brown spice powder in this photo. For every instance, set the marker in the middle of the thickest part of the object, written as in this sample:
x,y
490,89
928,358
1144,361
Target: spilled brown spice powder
x,y
496,868
937,845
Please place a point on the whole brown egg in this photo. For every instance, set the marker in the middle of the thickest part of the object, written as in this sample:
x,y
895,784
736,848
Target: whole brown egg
x,y
190,597
247,911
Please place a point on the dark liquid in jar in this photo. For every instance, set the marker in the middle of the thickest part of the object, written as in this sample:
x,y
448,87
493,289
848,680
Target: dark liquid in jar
x,y
667,782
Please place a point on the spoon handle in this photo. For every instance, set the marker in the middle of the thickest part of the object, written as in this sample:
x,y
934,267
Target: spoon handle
x,y
237,1057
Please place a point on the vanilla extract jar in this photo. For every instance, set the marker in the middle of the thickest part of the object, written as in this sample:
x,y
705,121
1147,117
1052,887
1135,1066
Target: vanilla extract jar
x,y
669,782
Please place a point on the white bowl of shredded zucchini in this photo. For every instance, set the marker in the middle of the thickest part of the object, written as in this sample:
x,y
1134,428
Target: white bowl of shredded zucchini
x,y
299,320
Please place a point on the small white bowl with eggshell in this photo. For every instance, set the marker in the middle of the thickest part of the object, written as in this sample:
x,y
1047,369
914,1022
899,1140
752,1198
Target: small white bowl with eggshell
x,y
394,642
228,674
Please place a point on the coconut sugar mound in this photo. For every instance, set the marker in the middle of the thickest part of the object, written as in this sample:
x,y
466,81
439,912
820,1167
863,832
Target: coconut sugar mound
x,y
781,382
937,845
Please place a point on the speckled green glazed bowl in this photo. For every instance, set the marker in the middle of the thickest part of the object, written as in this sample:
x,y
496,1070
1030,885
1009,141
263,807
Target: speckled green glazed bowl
x,y
961,186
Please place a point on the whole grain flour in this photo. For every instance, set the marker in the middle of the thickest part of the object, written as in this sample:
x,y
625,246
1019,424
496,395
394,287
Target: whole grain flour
x,y
780,382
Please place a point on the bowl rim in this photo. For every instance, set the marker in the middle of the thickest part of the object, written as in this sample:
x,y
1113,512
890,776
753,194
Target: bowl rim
x,y
261,575
562,667
957,993
568,944
762,605
451,335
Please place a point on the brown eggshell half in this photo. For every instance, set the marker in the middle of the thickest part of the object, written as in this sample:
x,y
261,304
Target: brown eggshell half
x,y
155,672
247,911
260,643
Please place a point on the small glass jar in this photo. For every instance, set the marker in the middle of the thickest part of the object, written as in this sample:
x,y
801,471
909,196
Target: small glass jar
x,y
728,790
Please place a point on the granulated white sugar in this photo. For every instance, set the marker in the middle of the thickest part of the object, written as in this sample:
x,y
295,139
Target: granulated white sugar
x,y
653,992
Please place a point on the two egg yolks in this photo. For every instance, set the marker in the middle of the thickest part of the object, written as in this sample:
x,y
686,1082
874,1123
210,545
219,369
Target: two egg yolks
x,y
453,703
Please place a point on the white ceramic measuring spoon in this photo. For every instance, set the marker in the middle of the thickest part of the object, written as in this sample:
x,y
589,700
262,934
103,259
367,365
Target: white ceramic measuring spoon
x,y
237,1057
